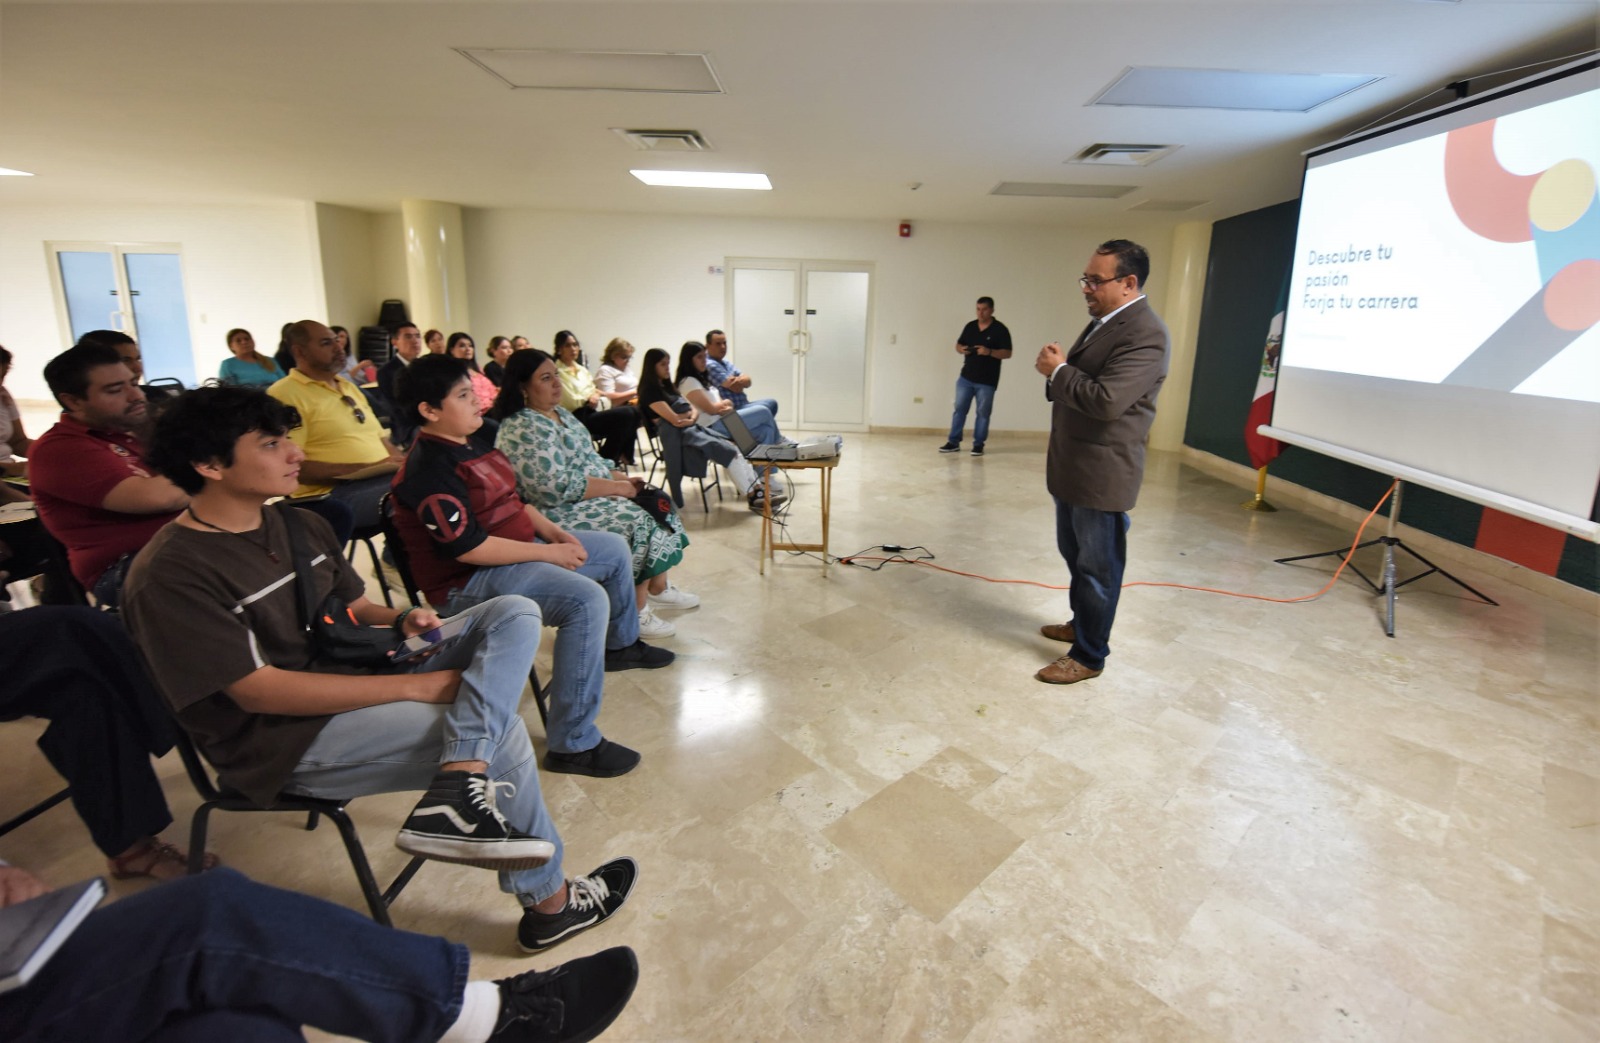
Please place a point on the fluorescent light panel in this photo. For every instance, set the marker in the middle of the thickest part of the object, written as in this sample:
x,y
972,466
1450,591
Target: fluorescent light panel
x,y
8,172
702,179
665,73
1228,89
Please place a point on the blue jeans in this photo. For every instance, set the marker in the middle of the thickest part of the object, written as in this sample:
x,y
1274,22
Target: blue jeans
x,y
966,391
395,747
185,959
592,609
1095,546
759,420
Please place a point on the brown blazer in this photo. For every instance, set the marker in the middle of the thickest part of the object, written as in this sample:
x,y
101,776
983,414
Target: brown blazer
x,y
1103,402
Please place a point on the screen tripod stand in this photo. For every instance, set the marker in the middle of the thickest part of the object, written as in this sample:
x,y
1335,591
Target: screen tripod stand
x,y
1390,587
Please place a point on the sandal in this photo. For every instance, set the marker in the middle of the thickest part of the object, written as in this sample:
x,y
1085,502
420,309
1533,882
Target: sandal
x,y
158,860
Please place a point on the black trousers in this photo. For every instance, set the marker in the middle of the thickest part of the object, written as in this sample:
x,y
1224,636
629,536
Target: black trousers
x,y
614,428
77,668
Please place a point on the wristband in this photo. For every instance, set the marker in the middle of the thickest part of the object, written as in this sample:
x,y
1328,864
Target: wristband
x,y
399,621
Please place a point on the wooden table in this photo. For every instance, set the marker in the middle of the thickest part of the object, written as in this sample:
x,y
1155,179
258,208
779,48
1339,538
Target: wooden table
x,y
769,546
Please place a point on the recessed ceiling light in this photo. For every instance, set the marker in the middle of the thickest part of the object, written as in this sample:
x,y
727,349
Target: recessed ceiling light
x,y
660,72
702,179
8,172
1164,88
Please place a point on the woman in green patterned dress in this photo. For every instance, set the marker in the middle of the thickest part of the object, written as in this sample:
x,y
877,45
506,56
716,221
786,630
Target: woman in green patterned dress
x,y
559,472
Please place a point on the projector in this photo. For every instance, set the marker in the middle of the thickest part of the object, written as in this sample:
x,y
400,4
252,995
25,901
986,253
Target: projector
x,y
823,448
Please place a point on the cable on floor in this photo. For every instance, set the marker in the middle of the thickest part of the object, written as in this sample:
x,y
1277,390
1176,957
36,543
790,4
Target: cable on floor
x,y
927,562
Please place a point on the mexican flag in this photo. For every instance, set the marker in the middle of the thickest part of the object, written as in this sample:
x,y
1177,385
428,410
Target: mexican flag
x,y
1264,450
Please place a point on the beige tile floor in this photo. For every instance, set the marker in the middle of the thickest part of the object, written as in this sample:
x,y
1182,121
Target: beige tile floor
x,y
860,818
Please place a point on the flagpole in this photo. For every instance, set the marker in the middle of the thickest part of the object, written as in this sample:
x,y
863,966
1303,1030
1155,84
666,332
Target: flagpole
x,y
1260,502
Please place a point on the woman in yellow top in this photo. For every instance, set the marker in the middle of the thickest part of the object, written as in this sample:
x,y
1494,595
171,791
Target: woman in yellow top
x,y
613,428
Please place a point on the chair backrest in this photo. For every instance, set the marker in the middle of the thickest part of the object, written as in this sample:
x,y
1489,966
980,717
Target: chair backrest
x,y
397,548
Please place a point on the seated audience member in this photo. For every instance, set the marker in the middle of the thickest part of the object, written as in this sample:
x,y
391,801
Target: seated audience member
x,y
433,340
460,347
336,432
248,367
660,396
694,384
727,378
272,712
470,539
284,357
613,379
221,958
559,472
614,427
14,441
500,349
88,475
356,370
520,343
405,344
128,350
76,668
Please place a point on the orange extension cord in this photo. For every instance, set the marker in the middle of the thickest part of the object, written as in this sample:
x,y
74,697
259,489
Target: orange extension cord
x,y
1150,583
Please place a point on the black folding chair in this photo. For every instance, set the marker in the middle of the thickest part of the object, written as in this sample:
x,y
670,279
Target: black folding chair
x,y
402,565
213,798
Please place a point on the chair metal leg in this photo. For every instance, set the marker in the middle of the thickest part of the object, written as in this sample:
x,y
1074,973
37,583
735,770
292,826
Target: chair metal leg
x,y
35,811
197,837
399,883
363,868
538,697
377,569
311,820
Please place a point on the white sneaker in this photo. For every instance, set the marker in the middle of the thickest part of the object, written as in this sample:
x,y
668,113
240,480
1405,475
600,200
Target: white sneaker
x,y
652,625
674,597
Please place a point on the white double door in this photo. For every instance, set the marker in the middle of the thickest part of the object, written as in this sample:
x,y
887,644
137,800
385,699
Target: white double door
x,y
802,331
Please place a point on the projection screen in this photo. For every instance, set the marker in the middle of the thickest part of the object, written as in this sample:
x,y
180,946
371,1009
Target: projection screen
x,y
1443,321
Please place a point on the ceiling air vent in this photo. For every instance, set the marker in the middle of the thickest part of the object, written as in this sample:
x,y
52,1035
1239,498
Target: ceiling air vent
x,y
1044,188
1109,155
664,140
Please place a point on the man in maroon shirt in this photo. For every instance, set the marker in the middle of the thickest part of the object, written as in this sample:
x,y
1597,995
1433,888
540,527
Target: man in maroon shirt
x,y
94,492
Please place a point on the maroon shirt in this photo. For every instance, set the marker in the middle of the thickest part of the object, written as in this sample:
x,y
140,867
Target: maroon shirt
x,y
72,468
448,499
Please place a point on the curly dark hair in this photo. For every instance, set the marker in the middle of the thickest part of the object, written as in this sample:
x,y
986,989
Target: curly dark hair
x,y
205,424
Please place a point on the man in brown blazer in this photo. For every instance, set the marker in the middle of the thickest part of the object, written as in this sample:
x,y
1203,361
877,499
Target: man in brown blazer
x,y
1103,400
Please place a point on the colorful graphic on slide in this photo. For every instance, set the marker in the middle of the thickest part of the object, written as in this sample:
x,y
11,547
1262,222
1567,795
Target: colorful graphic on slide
x,y
1558,211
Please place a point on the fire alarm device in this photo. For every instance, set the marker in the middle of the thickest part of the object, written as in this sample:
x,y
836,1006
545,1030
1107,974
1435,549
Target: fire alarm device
x,y
905,229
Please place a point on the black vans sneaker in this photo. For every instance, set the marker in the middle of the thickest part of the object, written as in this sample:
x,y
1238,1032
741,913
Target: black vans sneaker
x,y
456,821
950,447
590,900
606,760
572,1003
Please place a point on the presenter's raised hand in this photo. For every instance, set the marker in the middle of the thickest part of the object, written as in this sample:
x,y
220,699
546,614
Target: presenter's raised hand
x,y
1050,356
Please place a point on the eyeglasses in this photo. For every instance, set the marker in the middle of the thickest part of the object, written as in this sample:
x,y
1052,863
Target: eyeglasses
x,y
361,417
1094,282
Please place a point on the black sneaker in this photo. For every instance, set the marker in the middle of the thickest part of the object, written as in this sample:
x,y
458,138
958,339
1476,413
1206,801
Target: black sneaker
x,y
605,761
638,656
590,900
456,821
778,500
572,1003
977,448
950,447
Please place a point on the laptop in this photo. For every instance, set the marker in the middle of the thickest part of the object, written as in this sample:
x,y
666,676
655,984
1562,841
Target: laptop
x,y
747,443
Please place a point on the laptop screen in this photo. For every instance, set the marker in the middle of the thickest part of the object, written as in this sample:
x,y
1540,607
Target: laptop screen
x,y
741,434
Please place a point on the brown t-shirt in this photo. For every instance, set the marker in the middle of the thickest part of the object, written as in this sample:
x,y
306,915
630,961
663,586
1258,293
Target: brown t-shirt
x,y
210,608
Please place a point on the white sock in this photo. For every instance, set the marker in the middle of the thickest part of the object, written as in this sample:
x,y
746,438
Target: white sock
x,y
480,1007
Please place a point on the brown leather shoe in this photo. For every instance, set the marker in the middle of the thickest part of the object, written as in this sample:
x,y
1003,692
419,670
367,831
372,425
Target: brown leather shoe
x,y
1059,632
1066,670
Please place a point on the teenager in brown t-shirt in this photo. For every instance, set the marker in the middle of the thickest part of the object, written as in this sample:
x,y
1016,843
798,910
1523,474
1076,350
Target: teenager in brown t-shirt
x,y
271,715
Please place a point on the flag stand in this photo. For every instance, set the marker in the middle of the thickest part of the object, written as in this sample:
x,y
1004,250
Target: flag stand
x,y
1260,502
1389,588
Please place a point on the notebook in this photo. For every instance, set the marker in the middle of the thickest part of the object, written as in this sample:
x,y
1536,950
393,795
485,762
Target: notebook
x,y
32,931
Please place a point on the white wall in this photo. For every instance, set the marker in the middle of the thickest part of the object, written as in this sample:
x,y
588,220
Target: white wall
x,y
644,278
250,266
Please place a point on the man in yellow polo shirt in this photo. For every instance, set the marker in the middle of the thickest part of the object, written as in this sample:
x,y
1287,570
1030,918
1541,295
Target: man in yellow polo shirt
x,y
337,430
